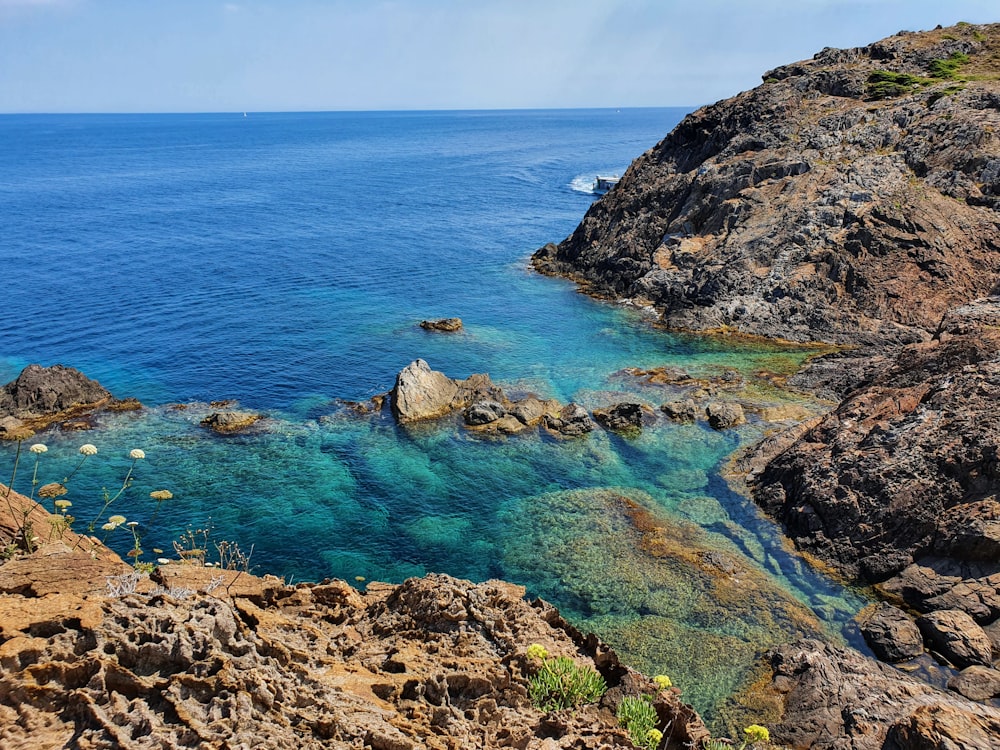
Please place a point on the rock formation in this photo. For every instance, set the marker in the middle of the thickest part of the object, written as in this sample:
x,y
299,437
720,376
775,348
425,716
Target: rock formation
x,y
230,421
446,325
40,396
851,198
826,698
102,658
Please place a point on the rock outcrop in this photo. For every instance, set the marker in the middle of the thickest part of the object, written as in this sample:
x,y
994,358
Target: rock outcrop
x,y
40,396
827,698
229,421
220,658
851,198
445,325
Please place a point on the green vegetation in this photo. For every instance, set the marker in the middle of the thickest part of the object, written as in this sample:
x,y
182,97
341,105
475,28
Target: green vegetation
x,y
948,67
637,715
888,84
562,683
950,91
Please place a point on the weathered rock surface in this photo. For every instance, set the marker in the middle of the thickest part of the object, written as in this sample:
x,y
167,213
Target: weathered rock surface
x,y
623,417
446,325
231,421
890,633
836,699
906,468
818,206
682,410
223,659
572,421
724,415
957,637
40,396
977,683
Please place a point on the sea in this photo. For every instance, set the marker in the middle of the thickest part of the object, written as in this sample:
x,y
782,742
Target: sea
x,y
281,262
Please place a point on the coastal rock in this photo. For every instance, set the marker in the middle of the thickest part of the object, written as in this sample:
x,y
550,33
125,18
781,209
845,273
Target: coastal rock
x,y
447,325
820,206
623,417
685,410
231,422
422,393
904,470
484,412
977,683
435,662
724,415
890,633
531,410
829,698
572,421
42,395
956,636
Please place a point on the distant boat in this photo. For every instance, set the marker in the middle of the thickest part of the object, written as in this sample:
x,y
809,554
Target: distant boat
x,y
244,114
604,184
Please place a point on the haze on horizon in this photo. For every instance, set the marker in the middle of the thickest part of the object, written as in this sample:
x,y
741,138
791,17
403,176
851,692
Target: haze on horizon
x,y
306,55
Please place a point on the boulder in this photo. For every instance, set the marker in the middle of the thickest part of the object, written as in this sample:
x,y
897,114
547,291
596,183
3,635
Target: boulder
x,y
230,422
484,412
40,395
422,393
446,325
685,410
724,415
573,421
955,635
977,683
622,417
890,633
530,410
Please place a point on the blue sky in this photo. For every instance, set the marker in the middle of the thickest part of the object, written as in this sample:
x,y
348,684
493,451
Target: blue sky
x,y
255,55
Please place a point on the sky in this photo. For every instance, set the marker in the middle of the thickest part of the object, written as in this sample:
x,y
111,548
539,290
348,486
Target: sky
x,y
294,55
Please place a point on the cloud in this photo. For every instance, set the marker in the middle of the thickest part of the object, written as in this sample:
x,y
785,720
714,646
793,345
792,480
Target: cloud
x,y
231,8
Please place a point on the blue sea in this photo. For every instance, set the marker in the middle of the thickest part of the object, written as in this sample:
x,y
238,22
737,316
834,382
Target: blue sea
x,y
284,261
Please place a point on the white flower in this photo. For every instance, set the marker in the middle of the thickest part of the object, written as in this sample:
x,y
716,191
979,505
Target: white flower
x,y
136,453
38,448
132,523
109,526
163,560
88,449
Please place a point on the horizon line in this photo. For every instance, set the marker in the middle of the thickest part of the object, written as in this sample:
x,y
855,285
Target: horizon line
x,y
340,111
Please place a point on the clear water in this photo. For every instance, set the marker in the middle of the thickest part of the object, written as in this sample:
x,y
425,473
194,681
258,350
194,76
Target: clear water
x,y
284,260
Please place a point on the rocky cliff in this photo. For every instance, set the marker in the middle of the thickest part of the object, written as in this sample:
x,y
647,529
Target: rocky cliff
x,y
851,198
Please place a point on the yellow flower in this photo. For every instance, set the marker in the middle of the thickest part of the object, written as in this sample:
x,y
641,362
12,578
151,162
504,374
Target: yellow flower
x,y
38,448
136,453
161,494
63,505
537,651
116,520
655,737
109,526
88,449
757,733
662,681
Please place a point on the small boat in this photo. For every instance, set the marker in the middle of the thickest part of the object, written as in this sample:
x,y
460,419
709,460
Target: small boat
x,y
603,184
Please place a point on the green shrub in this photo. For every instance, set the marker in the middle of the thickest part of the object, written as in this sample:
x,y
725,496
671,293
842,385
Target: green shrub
x,y
562,683
638,717
948,67
887,84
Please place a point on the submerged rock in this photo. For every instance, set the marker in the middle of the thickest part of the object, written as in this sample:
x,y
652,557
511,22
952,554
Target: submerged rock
x,y
230,422
723,415
572,421
623,417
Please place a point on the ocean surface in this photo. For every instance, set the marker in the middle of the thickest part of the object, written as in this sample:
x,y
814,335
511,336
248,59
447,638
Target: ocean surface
x,y
284,261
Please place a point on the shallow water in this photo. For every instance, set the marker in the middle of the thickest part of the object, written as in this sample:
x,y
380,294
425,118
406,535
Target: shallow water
x,y
285,261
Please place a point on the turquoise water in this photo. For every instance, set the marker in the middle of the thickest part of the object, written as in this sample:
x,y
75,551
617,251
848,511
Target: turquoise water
x,y
285,261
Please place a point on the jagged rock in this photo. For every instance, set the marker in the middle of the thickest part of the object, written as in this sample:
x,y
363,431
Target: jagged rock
x,y
904,470
484,412
42,395
890,633
811,208
977,683
623,417
219,658
724,415
447,325
530,410
956,636
422,393
685,410
229,422
573,421
837,699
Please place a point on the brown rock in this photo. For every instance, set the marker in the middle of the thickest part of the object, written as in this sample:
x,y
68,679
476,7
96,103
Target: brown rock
x,y
623,417
230,422
573,421
956,636
977,683
943,727
447,325
724,415
890,633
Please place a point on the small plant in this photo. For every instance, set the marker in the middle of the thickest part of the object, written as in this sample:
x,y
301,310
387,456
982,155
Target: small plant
x,y
756,734
663,682
888,84
637,715
949,66
562,683
537,651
